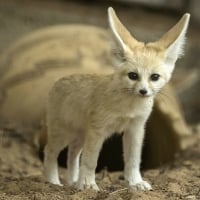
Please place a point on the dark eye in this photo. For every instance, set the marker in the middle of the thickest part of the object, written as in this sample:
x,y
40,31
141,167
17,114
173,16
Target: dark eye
x,y
133,76
155,77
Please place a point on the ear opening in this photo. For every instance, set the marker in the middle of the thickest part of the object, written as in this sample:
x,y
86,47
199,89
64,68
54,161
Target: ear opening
x,y
122,36
173,41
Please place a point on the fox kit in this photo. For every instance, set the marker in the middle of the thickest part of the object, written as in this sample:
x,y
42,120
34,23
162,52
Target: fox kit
x,y
84,110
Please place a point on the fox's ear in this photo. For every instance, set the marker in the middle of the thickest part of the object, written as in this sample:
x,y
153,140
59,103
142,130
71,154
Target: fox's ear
x,y
173,41
122,37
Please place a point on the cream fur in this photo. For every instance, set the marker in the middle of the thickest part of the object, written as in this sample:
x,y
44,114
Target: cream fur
x,y
84,110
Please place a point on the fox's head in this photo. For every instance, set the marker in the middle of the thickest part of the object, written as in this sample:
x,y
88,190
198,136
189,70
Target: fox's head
x,y
145,68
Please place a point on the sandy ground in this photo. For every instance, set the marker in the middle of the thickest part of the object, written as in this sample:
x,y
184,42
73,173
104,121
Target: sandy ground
x,y
20,168
21,177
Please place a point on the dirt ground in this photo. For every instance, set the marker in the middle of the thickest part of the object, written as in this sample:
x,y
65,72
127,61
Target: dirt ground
x,y
21,177
20,168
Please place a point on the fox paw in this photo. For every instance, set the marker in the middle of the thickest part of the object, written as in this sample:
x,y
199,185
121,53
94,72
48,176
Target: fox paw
x,y
83,186
56,183
141,186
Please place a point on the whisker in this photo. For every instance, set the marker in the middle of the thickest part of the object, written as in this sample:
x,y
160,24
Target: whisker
x,y
128,89
164,97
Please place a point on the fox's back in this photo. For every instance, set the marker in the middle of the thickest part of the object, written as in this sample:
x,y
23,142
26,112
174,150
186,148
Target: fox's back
x,y
74,90
72,98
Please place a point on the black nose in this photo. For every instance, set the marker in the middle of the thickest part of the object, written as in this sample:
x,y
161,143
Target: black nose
x,y
143,91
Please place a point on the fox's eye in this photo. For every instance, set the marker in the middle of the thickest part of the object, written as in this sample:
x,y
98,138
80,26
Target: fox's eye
x,y
155,77
133,76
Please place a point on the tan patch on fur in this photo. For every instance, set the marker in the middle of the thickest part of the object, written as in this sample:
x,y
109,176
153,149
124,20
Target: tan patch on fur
x,y
145,55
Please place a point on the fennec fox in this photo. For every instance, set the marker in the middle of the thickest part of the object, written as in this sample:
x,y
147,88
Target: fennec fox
x,y
84,110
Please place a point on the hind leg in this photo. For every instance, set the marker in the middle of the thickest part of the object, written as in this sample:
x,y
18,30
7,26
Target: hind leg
x,y
52,151
74,152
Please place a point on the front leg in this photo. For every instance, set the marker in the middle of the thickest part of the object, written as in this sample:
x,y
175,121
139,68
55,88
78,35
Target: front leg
x,y
92,146
132,144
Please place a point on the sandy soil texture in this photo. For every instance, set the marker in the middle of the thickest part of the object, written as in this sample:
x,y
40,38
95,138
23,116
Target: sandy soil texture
x,y
21,177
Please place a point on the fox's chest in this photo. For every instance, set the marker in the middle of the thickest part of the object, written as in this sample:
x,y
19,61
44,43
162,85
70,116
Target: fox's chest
x,y
141,110
116,125
120,121
138,108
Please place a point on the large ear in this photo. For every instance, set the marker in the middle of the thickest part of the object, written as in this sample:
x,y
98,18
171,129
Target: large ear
x,y
173,41
122,37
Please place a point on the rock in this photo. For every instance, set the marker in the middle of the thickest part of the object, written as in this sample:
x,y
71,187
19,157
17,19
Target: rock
x,y
30,66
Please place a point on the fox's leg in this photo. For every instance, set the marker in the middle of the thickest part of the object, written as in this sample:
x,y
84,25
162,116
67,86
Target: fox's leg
x,y
74,152
57,140
50,163
92,146
132,144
